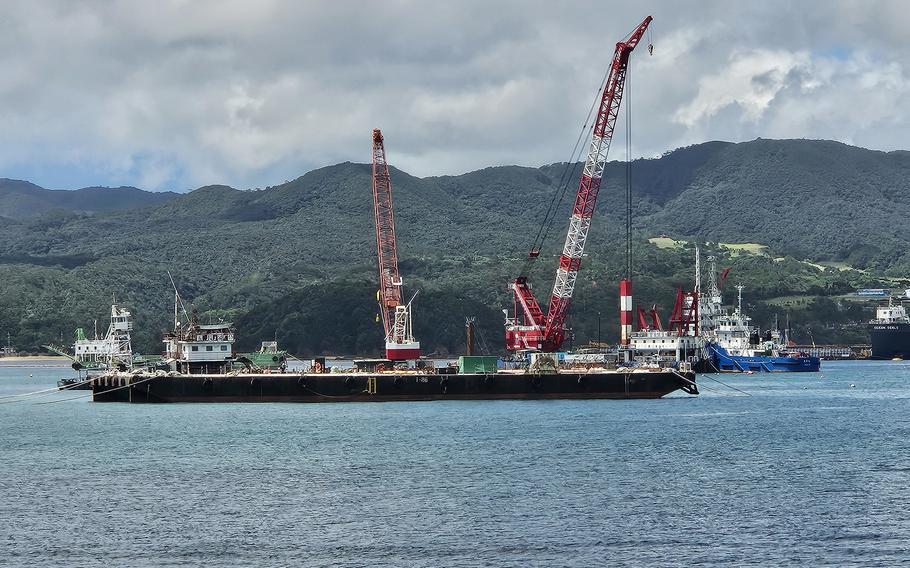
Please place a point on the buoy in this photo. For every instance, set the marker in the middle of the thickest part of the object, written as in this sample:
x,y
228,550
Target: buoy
x,y
852,386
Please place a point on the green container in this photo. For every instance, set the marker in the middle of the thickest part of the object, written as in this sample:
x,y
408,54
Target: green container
x,y
476,364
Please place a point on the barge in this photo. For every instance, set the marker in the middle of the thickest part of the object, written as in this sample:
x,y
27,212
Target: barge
x,y
200,365
159,387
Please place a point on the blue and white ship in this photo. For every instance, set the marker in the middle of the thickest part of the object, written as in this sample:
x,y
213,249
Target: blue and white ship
x,y
733,345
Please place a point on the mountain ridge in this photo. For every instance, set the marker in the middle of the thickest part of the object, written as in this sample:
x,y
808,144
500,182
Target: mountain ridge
x,y
284,258
20,198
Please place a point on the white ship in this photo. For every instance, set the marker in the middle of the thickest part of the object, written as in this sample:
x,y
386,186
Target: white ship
x,y
680,343
112,351
197,348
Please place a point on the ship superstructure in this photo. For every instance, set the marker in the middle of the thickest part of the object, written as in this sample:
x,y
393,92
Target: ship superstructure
x,y
200,348
193,347
112,351
681,341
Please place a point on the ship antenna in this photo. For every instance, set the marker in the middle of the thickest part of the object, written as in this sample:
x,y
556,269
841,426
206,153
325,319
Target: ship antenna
x,y
177,300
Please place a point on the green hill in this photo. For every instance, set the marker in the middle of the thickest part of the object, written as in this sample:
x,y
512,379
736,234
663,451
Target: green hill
x,y
20,199
295,261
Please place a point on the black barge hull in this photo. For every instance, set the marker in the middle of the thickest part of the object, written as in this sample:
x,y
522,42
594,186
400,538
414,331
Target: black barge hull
x,y
359,387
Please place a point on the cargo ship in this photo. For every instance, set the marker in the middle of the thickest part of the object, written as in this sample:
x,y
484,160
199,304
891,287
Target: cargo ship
x,y
889,332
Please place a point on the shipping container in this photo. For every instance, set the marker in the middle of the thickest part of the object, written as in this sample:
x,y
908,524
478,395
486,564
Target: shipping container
x,y
477,364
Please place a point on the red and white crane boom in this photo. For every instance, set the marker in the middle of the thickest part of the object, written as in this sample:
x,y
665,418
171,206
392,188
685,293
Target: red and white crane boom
x,y
529,329
396,317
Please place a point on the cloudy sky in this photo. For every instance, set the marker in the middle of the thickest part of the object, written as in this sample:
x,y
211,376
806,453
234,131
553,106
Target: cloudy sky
x,y
177,94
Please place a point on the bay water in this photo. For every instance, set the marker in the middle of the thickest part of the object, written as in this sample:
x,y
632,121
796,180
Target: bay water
x,y
803,469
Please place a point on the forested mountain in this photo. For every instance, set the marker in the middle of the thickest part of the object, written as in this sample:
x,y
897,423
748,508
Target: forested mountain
x,y
20,199
295,261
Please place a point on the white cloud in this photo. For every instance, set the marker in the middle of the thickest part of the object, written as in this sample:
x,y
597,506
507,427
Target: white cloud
x,y
750,81
174,94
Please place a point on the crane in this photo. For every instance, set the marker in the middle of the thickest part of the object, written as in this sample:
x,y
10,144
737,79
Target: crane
x,y
396,316
529,328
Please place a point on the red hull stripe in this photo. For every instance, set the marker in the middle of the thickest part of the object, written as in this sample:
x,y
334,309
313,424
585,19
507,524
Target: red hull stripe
x,y
402,354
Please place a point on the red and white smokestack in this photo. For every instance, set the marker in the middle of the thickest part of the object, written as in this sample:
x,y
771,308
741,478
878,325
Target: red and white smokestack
x,y
625,311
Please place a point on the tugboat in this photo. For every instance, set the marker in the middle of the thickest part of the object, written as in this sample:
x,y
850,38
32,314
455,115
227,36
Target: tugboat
x,y
734,345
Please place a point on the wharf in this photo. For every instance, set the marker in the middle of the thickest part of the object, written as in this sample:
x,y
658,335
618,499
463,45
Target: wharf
x,y
389,386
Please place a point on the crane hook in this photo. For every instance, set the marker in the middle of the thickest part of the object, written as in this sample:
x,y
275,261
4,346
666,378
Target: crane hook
x,y
650,49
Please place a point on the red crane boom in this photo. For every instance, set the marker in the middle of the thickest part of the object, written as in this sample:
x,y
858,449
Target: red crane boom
x,y
529,329
396,318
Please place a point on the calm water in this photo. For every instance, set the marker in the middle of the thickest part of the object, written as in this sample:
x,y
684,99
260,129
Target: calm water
x,y
806,471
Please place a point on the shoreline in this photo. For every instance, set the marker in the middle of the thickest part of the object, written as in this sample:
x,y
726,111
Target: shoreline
x,y
20,358
35,362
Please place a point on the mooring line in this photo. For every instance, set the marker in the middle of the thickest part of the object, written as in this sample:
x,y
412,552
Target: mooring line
x,y
699,386
726,385
20,396
102,392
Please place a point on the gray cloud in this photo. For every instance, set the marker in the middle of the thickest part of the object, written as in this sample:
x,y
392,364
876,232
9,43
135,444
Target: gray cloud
x,y
172,95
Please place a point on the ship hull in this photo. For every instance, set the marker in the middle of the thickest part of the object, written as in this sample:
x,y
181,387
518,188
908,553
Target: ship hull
x,y
890,341
361,387
719,361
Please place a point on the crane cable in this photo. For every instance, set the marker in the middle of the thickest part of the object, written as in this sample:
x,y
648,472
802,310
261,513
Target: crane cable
x,y
568,174
571,167
628,97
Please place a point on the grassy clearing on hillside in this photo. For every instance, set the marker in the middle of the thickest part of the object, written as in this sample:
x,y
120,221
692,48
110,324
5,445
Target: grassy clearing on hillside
x,y
842,266
667,243
790,301
747,248
815,265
